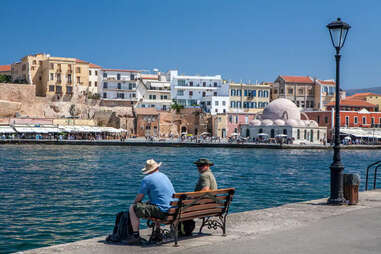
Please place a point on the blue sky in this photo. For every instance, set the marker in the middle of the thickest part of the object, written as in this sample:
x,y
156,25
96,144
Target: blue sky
x,y
241,40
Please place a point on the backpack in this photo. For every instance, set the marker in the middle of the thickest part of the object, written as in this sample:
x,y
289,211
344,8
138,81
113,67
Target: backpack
x,y
122,229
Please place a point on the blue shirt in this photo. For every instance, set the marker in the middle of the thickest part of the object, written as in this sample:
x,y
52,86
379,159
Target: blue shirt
x,y
159,190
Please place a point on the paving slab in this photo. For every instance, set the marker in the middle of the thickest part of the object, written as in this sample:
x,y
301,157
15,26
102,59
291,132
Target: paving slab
x,y
305,227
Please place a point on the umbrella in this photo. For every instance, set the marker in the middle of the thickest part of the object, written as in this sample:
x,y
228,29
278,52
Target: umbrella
x,y
204,133
235,134
347,137
281,135
262,134
184,133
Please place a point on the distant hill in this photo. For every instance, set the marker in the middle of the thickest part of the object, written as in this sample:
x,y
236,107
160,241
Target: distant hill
x,y
376,90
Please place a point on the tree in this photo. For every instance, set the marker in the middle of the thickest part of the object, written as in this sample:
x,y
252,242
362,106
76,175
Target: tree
x,y
5,78
177,107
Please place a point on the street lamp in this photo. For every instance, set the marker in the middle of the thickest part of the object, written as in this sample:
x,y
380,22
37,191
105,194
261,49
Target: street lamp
x,y
338,31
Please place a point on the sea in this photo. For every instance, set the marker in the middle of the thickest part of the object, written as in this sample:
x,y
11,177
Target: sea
x,y
53,194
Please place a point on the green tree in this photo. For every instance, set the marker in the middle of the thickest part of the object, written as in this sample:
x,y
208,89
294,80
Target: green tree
x,y
5,79
177,107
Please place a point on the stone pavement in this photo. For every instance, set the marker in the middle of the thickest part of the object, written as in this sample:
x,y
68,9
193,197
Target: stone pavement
x,y
306,227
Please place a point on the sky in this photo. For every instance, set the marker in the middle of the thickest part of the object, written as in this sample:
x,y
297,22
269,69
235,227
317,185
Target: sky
x,y
240,40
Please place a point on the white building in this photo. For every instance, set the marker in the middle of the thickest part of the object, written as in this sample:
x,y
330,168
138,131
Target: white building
x,y
282,119
154,91
197,90
119,84
217,104
94,77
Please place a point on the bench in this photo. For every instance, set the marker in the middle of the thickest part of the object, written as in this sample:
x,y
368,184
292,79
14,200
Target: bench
x,y
205,205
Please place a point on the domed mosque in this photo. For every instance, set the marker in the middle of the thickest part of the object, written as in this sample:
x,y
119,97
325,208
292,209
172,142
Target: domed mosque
x,y
281,119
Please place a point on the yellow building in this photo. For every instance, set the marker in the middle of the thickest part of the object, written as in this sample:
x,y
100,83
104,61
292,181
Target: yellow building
x,y
220,125
248,98
368,97
52,75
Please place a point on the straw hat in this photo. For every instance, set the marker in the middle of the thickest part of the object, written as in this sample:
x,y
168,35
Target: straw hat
x,y
151,165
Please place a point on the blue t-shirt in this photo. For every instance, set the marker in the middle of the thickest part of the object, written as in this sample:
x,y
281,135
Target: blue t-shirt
x,y
159,190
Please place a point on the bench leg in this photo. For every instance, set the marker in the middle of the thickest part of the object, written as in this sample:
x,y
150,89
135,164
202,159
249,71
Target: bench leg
x,y
176,233
224,226
202,225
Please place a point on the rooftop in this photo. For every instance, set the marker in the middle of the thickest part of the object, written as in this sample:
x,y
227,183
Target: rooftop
x,y
5,67
120,70
361,96
91,65
353,102
297,79
327,82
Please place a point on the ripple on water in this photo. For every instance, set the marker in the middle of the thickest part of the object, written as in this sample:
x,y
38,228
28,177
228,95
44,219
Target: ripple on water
x,y
58,194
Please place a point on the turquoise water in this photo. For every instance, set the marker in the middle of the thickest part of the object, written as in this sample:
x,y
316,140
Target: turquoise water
x,y
58,194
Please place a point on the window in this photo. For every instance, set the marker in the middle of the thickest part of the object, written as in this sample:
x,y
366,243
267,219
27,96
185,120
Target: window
x,y
208,103
259,93
104,74
215,84
132,77
372,121
104,95
118,76
119,86
223,103
58,89
203,84
203,94
290,91
298,134
239,104
312,136
216,103
232,104
318,134
272,133
239,92
246,119
245,93
89,72
34,62
89,83
78,79
130,86
95,83
52,66
120,95
69,89
180,92
326,119
96,73
347,121
305,134
318,119
32,68
105,85
51,88
215,94
191,83
285,131
69,78
356,120
51,76
232,92
301,91
78,69
181,82
275,91
363,120
190,93
297,104
230,119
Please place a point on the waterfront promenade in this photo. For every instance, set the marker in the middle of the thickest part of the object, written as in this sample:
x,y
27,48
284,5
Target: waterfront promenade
x,y
306,227
176,143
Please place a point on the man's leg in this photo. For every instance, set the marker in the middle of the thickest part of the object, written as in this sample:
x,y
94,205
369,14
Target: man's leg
x,y
134,219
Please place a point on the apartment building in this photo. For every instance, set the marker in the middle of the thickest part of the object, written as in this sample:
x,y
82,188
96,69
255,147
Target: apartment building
x,y
119,84
94,78
154,91
53,76
298,89
248,98
196,90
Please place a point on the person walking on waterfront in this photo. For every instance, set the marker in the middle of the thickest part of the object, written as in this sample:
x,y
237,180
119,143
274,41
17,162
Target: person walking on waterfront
x,y
206,181
159,189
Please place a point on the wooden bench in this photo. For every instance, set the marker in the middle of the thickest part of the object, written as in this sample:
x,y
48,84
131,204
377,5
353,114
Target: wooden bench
x,y
205,205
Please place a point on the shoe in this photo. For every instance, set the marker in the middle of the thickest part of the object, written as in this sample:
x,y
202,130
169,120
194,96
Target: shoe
x,y
132,240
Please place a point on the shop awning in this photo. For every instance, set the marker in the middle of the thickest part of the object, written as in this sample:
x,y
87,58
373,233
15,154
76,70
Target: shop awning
x,y
6,129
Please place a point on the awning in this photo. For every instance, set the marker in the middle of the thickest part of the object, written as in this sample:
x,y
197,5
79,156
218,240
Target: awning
x,y
6,129
361,132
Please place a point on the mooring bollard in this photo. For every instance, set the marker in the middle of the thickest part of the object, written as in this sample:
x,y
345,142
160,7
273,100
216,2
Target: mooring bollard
x,y
351,188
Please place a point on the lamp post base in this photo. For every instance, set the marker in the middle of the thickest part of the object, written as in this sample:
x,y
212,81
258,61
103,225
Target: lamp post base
x,y
337,194
338,201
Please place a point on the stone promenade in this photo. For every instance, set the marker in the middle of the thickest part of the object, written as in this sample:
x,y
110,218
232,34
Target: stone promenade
x,y
307,227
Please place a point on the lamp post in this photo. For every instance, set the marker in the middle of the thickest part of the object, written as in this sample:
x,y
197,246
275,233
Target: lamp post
x,y
338,31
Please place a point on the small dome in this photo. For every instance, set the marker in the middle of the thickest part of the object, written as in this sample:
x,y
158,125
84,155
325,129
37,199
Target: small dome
x,y
314,123
301,123
279,122
292,123
267,122
255,122
281,109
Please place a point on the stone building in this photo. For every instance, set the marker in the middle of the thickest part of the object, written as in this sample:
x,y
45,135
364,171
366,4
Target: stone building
x,y
282,119
94,78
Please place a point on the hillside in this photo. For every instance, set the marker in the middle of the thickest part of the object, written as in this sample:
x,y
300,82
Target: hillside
x,y
376,90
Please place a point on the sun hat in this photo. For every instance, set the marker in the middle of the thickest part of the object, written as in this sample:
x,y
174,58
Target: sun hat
x,y
151,165
203,161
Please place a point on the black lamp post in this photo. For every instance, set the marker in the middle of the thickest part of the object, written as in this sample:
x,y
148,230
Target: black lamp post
x,y
338,31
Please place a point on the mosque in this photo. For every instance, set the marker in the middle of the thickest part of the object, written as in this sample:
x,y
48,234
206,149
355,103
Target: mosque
x,y
281,120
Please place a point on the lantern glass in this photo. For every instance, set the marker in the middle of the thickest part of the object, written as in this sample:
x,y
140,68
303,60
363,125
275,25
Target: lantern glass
x,y
338,31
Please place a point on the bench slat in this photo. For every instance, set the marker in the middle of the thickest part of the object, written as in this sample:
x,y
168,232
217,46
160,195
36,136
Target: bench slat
x,y
201,201
197,208
202,212
200,193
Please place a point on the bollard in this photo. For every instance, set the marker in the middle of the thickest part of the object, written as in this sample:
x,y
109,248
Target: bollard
x,y
351,188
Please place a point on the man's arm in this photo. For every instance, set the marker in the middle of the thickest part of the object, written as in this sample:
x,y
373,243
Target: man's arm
x,y
206,188
139,198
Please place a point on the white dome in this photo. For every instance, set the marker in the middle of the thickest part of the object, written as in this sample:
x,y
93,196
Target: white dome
x,y
313,123
255,122
292,123
279,122
301,123
267,122
281,109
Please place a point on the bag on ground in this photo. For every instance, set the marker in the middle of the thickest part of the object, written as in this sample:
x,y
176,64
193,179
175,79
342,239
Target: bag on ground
x,y
122,229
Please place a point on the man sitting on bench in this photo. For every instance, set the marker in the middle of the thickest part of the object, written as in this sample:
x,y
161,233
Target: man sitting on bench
x,y
159,190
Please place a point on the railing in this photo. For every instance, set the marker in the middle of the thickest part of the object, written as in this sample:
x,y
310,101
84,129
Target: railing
x,y
376,165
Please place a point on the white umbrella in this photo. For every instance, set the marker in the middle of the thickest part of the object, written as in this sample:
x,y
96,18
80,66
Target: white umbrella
x,y
281,135
235,134
184,133
262,134
347,138
204,133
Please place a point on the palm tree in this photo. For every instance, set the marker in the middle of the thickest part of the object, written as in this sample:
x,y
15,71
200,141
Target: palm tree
x,y
177,107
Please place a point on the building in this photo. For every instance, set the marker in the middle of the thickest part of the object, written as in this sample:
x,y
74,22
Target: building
x,y
248,98
282,119
94,78
53,76
5,70
154,91
349,104
119,85
298,89
220,125
196,90
368,97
